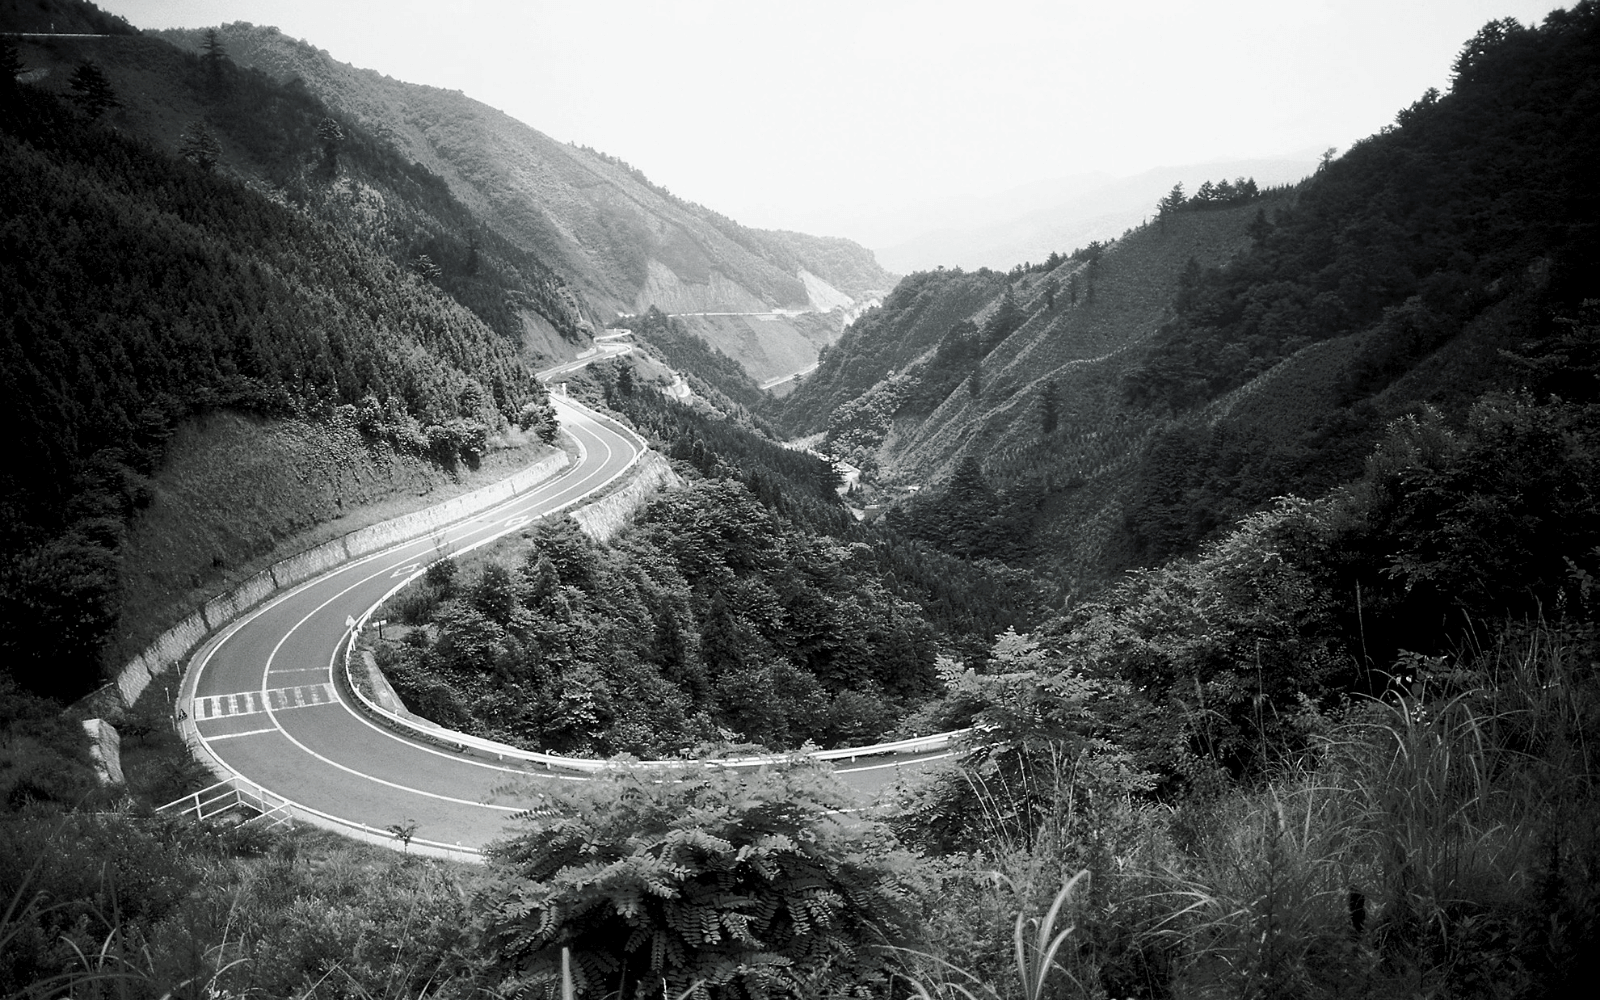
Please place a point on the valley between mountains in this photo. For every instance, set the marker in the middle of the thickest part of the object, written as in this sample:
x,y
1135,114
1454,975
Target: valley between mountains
x,y
439,561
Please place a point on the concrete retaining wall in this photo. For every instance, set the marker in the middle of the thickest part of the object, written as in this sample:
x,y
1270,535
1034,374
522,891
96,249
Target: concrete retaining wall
x,y
220,610
602,519
169,648
177,642
312,562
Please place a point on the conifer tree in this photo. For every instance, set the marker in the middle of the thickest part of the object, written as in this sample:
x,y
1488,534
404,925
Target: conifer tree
x,y
1172,201
330,133
200,147
212,56
423,267
91,91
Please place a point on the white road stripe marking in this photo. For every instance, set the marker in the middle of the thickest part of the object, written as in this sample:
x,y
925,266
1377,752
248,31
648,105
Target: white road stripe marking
x,y
898,763
232,736
537,496
219,706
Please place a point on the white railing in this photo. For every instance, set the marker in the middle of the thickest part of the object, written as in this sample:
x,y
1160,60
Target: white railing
x,y
267,808
272,810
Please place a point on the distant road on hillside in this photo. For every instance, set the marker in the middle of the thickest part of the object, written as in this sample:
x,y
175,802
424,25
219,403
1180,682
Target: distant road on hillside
x,y
807,370
598,352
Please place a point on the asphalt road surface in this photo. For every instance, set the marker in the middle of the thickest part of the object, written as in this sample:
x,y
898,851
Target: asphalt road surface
x,y
268,705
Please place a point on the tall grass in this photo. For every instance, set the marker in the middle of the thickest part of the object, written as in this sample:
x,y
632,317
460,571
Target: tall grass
x,y
1405,861
1440,842
1037,953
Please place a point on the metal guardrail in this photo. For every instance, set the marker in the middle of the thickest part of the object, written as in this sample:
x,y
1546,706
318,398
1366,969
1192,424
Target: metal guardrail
x,y
269,809
465,742
201,751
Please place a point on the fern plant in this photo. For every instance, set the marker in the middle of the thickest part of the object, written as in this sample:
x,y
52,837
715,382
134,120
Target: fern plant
x,y
703,880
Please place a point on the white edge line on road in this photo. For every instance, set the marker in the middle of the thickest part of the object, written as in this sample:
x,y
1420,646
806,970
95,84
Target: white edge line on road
x,y
272,714
366,615
437,536
192,678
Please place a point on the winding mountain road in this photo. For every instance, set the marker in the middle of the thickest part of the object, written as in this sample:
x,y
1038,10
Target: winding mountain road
x,y
268,709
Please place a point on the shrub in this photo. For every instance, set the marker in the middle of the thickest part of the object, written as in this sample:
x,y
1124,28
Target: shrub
x,y
729,884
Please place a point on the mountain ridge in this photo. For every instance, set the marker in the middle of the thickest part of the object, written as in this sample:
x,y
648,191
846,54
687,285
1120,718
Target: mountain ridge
x,y
1028,223
615,233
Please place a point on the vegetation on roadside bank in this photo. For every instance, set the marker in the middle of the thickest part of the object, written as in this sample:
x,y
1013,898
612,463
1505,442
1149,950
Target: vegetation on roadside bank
x,y
745,608
1287,773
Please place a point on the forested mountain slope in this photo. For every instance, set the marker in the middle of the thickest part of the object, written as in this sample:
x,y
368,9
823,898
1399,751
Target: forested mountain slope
x,y
1021,370
1420,267
133,117
1230,354
285,142
142,289
625,242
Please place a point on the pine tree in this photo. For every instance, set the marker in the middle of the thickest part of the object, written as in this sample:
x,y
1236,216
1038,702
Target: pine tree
x,y
200,147
91,91
423,267
212,56
330,133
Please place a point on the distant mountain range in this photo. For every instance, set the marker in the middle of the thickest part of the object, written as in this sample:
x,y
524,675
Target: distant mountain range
x,y
1027,223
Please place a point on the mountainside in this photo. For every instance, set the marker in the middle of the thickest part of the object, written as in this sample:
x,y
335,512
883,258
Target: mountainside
x,y
626,243
1341,743
282,141
143,290
1020,370
1125,403
279,257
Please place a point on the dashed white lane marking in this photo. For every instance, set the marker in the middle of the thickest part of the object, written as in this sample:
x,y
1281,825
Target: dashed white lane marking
x,y
222,706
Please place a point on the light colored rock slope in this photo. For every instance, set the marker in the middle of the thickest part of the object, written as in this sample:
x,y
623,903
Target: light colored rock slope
x,y
769,345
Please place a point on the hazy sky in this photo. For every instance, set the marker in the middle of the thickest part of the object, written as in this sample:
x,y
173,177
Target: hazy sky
x,y
810,113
